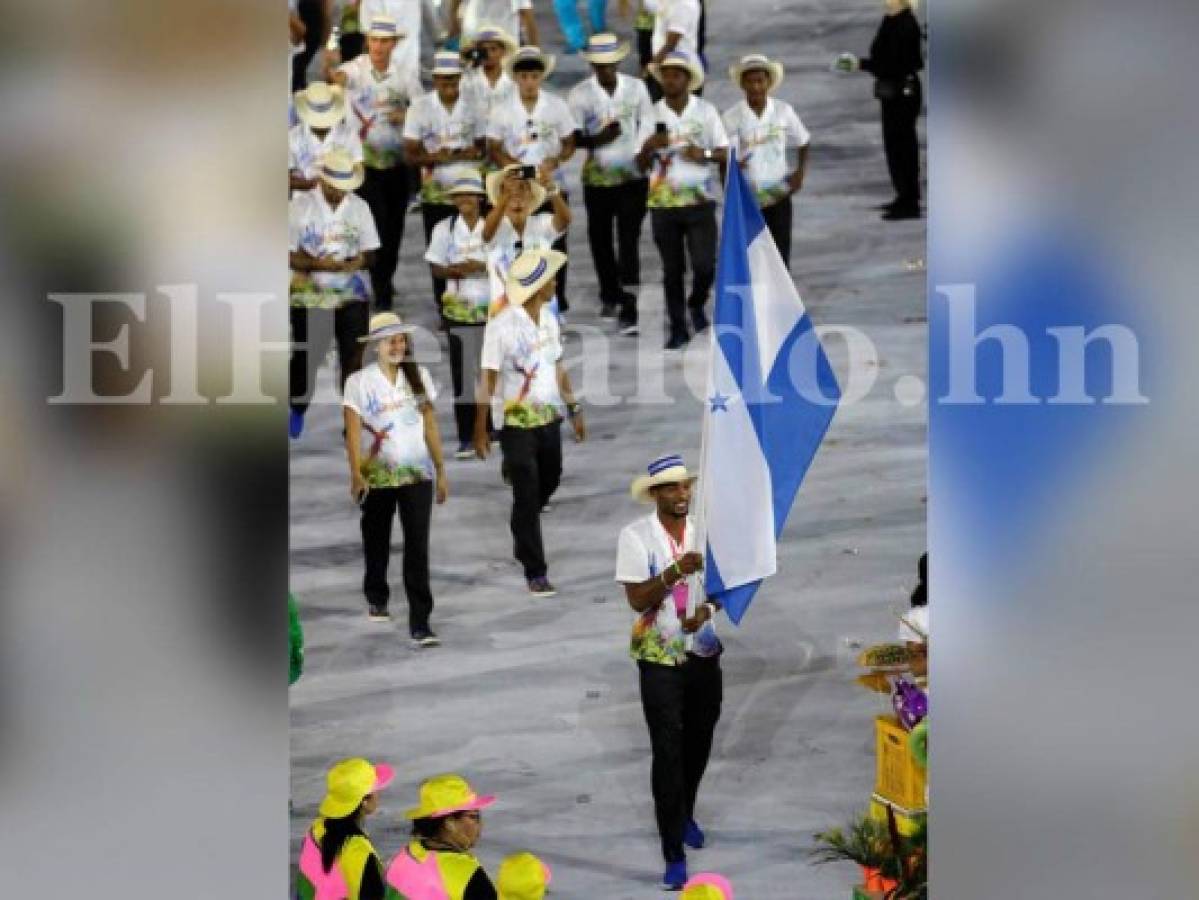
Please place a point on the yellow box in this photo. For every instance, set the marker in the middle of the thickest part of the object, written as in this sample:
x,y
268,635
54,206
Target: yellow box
x,y
898,778
906,820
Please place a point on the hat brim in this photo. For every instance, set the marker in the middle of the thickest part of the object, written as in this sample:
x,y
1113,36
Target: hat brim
x,y
446,73
346,184
519,294
607,57
641,487
548,64
506,39
327,119
496,179
399,34
419,812
697,73
384,775
771,68
389,331
332,808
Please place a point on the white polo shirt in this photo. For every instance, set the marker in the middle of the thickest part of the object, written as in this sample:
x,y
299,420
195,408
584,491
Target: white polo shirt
x,y
645,549
593,108
373,97
674,180
438,128
764,142
407,14
394,452
675,16
532,137
467,299
483,94
321,231
503,13
305,149
525,354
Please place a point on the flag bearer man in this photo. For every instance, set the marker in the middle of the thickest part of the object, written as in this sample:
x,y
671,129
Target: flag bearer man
x,y
677,653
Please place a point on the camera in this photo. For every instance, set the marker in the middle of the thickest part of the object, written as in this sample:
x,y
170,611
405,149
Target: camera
x,y
529,173
474,57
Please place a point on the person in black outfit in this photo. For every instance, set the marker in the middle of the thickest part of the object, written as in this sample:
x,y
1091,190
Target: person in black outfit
x,y
894,61
316,31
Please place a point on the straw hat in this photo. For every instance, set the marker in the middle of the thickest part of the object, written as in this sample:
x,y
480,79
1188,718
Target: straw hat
x,y
349,782
680,59
493,33
757,62
531,54
530,272
446,62
496,179
444,795
469,181
668,469
523,876
385,325
385,27
707,886
321,105
605,48
339,169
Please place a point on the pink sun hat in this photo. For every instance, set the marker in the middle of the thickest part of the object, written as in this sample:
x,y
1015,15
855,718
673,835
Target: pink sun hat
x,y
444,795
707,886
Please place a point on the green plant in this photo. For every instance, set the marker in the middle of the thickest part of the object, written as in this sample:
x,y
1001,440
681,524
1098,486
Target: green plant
x,y
863,841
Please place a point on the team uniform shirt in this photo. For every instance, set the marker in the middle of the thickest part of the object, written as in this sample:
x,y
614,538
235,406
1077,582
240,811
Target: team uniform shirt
x,y
502,13
305,149
320,231
593,108
671,16
677,181
437,128
764,142
394,452
506,245
408,15
532,137
373,97
645,550
525,354
466,300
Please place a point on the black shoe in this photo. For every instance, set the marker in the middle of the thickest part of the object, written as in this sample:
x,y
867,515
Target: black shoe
x,y
676,342
899,213
628,319
699,319
885,206
563,306
504,476
609,311
378,613
424,637
628,297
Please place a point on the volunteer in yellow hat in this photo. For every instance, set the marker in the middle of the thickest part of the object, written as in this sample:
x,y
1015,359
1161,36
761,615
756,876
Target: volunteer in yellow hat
x,y
337,858
523,877
437,864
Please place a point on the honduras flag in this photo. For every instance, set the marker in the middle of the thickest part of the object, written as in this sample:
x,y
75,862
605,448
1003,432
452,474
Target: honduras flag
x,y
771,397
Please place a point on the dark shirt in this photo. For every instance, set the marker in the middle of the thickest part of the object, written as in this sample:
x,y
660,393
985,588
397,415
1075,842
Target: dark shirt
x,y
895,52
372,880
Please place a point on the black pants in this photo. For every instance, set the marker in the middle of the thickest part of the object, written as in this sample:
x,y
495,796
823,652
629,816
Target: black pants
x,y
466,345
621,207
778,220
432,213
901,146
681,232
415,505
533,458
312,14
311,332
560,246
386,193
682,707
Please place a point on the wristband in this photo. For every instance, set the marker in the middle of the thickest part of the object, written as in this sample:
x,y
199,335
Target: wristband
x,y
574,409
711,610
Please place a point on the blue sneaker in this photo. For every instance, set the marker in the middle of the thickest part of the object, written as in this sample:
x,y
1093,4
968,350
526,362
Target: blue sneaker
x,y
295,424
675,875
693,836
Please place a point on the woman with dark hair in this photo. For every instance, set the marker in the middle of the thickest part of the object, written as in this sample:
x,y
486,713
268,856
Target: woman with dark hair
x,y
895,59
337,858
394,450
437,864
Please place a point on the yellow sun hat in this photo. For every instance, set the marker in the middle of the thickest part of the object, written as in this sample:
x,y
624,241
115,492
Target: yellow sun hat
x,y
523,876
444,795
349,782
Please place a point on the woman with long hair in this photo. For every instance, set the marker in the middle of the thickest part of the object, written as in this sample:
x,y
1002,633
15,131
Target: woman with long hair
x,y
337,858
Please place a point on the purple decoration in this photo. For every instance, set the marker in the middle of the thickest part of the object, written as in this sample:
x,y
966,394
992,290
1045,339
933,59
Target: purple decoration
x,y
910,702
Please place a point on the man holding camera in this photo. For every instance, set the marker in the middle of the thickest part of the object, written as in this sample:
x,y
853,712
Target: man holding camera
x,y
615,116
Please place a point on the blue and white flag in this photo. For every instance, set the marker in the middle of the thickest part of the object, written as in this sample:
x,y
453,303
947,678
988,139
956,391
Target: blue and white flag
x,y
771,397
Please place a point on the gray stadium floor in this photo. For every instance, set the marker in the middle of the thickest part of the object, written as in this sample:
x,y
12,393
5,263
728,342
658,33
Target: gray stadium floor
x,y
537,701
